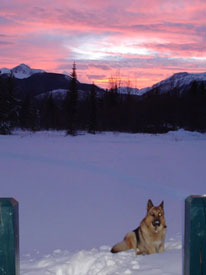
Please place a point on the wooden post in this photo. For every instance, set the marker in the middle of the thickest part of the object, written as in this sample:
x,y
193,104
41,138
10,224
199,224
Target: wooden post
x,y
195,236
9,237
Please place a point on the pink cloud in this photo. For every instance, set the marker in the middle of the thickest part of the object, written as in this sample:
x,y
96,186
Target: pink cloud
x,y
136,37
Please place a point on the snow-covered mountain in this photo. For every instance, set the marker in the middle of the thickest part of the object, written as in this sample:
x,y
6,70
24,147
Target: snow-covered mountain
x,y
59,95
21,71
126,90
179,82
39,83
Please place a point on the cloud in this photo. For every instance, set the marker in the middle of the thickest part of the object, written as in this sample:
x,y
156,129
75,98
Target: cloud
x,y
133,36
100,66
93,76
5,43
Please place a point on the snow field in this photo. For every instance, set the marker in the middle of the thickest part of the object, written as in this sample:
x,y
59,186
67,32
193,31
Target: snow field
x,y
77,194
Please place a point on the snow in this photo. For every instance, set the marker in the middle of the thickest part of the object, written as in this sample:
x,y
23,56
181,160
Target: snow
x,y
101,261
80,195
58,94
5,71
126,90
144,90
21,71
178,80
133,91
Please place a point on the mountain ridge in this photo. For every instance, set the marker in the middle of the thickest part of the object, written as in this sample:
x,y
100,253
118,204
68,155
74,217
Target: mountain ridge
x,y
42,81
179,81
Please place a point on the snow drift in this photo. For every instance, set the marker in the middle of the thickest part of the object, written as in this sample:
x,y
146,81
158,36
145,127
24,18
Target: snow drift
x,y
101,261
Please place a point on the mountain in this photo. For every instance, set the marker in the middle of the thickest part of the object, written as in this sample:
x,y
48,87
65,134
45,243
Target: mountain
x,y
130,90
179,83
38,83
178,101
21,71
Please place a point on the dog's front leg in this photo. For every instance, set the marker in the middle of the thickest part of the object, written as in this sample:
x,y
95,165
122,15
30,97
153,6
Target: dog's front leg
x,y
161,248
138,252
151,250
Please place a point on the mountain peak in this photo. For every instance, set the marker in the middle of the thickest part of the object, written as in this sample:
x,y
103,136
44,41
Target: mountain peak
x,y
179,81
178,75
21,71
22,67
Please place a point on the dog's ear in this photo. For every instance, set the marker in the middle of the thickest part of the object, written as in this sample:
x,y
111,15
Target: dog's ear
x,y
149,205
162,205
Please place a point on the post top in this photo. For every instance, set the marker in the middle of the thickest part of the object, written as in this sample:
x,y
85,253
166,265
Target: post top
x,y
195,197
8,201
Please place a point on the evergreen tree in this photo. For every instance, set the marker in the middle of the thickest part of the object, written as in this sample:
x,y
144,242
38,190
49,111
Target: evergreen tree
x,y
28,115
9,106
14,103
5,126
113,95
92,111
71,104
50,113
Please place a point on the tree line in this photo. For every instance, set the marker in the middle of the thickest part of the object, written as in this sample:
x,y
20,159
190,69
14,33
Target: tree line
x,y
111,111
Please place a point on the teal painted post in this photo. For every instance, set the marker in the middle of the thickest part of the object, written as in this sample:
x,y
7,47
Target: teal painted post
x,y
195,236
9,237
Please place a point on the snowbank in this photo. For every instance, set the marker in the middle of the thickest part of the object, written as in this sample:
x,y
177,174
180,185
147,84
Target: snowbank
x,y
101,261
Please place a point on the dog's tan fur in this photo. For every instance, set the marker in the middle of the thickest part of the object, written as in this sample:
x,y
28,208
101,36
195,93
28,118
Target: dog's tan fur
x,y
148,238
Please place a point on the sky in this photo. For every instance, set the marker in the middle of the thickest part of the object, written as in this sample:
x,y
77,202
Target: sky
x,y
139,42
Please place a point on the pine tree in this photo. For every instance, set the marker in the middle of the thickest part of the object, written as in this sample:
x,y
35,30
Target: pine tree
x,y
28,115
50,113
92,111
9,106
5,127
71,104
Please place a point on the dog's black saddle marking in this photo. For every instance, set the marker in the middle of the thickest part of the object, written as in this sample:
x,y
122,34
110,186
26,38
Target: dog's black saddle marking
x,y
136,231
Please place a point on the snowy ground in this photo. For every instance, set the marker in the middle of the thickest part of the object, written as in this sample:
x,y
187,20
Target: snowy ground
x,y
102,262
80,195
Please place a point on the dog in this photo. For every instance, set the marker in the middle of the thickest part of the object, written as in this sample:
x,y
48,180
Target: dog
x,y
149,237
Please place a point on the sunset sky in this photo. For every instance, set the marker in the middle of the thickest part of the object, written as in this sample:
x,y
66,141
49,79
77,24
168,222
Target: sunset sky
x,y
142,41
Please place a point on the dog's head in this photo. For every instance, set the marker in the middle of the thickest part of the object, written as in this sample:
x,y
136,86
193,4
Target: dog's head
x,y
155,216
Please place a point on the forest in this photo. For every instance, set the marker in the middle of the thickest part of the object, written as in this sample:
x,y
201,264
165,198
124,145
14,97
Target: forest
x,y
111,111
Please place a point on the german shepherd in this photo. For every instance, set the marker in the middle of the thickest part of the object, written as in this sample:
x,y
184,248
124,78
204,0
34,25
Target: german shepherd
x,y
149,237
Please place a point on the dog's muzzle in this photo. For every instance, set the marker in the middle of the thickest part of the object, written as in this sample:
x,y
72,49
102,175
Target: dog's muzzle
x,y
156,223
